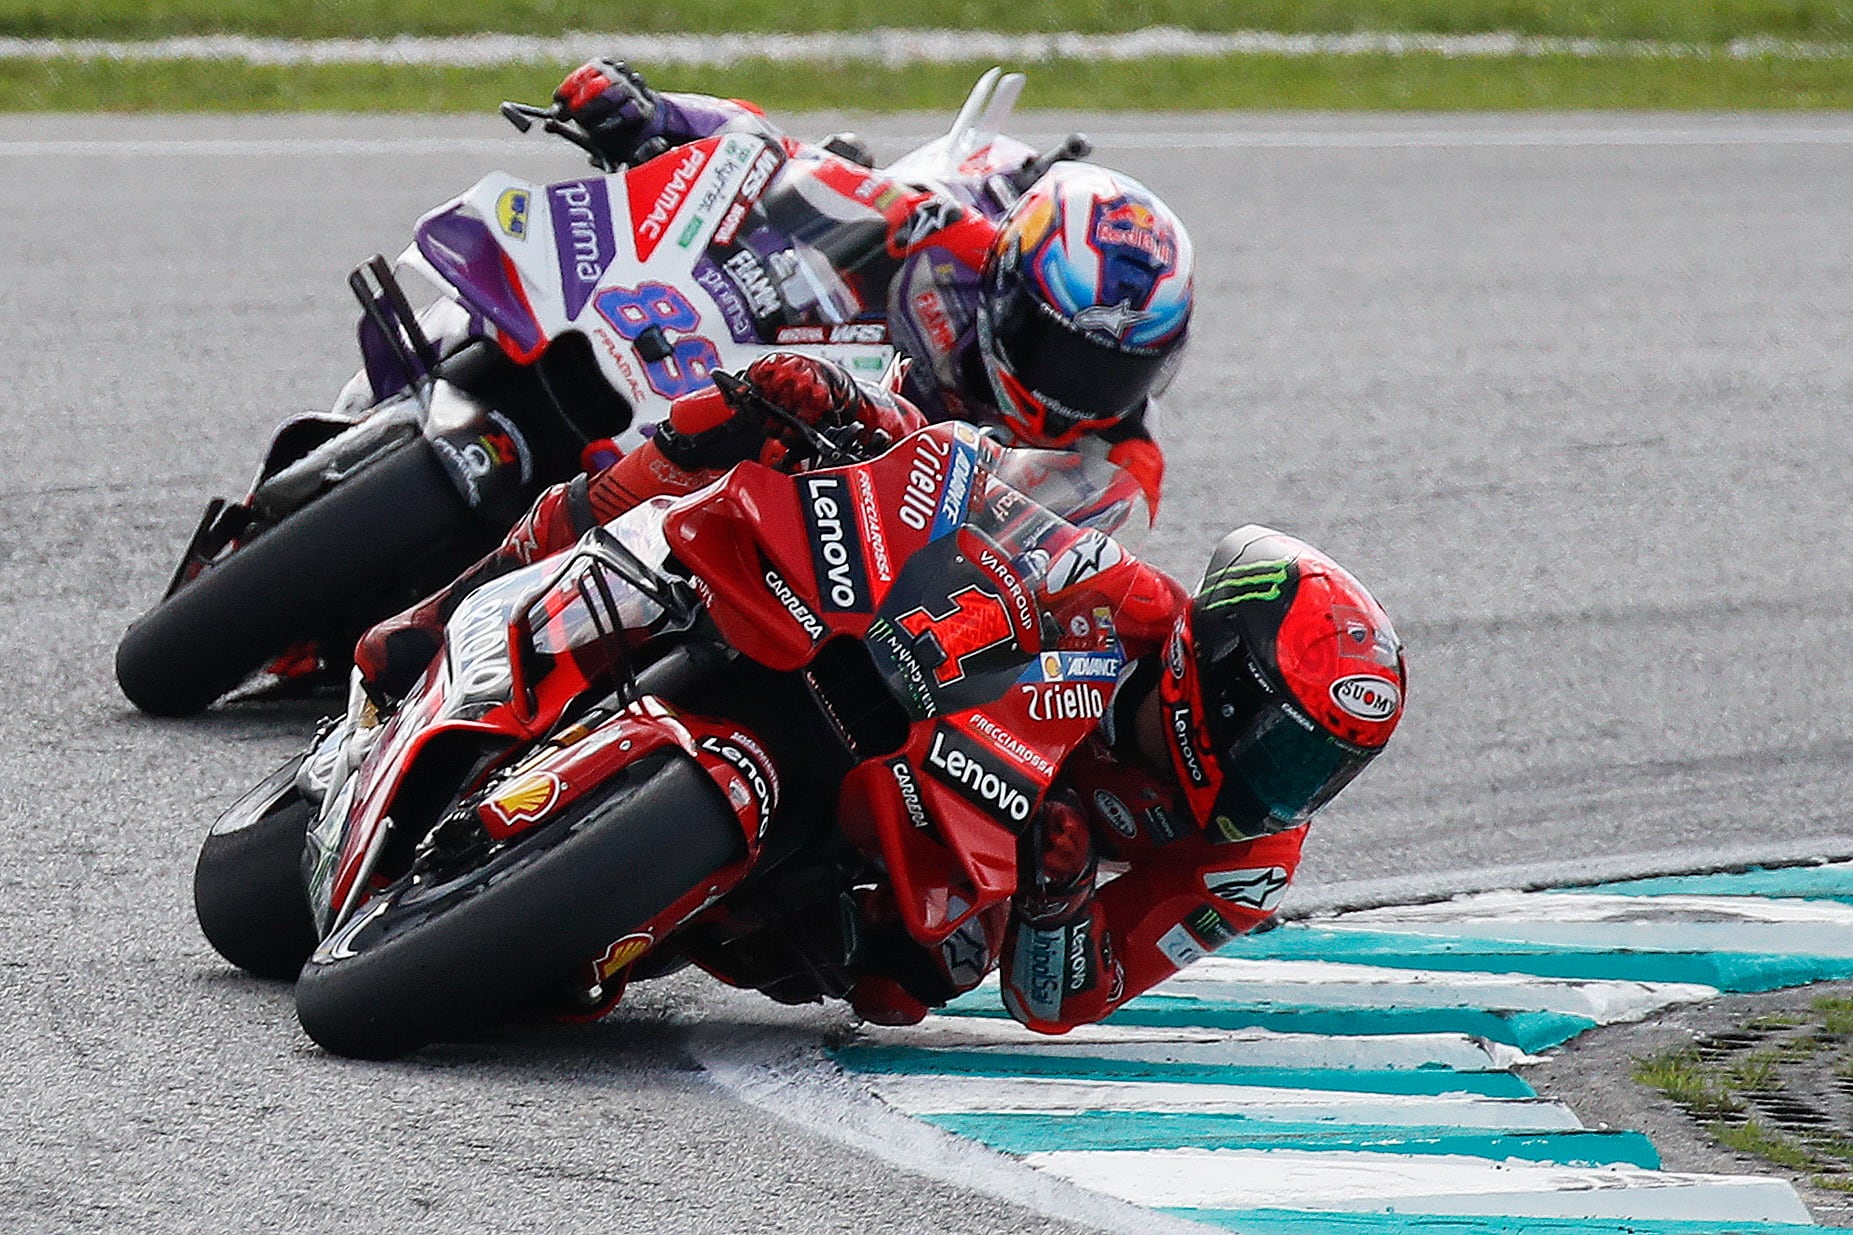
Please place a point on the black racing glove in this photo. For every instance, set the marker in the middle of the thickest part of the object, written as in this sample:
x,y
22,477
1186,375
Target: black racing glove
x,y
617,109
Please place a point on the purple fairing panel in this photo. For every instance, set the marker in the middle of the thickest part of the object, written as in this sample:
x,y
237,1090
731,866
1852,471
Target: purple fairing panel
x,y
681,118
384,371
462,249
582,237
932,319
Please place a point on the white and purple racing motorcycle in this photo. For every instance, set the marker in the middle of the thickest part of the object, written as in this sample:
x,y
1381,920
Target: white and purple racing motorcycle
x,y
564,318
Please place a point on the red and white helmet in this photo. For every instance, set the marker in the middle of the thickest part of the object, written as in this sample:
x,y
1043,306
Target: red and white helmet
x,y
1279,684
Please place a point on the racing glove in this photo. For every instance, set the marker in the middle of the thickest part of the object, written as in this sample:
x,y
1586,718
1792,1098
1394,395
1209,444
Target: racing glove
x,y
705,432
1056,864
617,109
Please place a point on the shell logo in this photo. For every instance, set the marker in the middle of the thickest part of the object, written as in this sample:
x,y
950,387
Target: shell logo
x,y
526,799
622,953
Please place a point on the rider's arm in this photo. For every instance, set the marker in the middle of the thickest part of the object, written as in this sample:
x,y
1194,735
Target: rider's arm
x,y
1177,904
704,436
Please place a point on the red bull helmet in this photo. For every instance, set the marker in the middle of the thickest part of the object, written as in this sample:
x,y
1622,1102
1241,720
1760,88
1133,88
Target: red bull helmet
x,y
1086,305
1280,684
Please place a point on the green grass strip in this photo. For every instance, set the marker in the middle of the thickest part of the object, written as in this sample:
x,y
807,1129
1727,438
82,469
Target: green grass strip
x,y
1689,20
1337,83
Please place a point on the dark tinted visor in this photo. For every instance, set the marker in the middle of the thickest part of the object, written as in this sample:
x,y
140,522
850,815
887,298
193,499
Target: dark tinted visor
x,y
1277,772
1082,376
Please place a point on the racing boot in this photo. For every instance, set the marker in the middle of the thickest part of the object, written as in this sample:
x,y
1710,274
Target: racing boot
x,y
392,654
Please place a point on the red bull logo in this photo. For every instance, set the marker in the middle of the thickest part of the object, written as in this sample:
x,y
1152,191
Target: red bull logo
x,y
1134,225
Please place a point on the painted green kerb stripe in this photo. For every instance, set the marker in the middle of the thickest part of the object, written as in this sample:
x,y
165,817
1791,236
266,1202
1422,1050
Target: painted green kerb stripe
x,y
1023,1133
1426,1082
1728,971
1833,883
1306,1222
1528,1030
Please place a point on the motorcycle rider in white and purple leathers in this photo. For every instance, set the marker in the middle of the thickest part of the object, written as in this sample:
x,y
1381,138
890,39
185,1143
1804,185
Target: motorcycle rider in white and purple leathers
x,y
1053,313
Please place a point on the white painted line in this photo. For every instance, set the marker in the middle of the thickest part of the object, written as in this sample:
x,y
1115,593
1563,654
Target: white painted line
x,y
784,1074
1340,896
1245,1048
945,1095
1723,924
897,47
1444,139
1308,899
1616,908
1439,1184
255,147
1329,984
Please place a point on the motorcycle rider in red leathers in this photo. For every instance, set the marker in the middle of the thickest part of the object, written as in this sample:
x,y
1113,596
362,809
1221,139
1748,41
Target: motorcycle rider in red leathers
x,y
1242,710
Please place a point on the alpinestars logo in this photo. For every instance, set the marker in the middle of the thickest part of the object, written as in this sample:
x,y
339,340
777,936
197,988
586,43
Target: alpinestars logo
x,y
1259,887
1114,320
836,549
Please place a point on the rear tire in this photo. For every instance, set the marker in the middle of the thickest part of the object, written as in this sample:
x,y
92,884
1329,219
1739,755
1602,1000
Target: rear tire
x,y
310,575
425,960
248,891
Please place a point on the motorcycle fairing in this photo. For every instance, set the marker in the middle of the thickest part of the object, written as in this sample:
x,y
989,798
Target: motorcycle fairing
x,y
956,631
633,262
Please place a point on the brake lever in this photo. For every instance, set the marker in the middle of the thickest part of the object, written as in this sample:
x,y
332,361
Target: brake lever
x,y
555,120
741,395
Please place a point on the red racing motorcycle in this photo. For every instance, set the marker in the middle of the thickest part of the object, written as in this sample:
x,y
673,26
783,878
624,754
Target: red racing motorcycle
x,y
719,731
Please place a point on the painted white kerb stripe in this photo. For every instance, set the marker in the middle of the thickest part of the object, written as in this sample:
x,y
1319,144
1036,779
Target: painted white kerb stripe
x,y
1238,1048
1330,984
1721,924
951,1095
1440,1184
899,46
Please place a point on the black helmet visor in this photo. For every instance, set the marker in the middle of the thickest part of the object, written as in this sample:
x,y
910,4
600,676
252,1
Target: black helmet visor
x,y
1083,377
1278,769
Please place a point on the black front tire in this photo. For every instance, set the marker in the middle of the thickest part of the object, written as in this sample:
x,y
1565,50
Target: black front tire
x,y
248,890
427,959
311,574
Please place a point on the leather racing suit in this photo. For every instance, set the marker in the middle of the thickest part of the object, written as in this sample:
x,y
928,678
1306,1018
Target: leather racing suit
x,y
912,256
1119,885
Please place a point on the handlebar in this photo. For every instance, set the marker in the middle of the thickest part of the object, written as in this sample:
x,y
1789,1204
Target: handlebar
x,y
742,396
559,122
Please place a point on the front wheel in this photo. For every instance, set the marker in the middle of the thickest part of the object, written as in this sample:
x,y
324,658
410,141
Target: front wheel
x,y
248,890
444,952
317,571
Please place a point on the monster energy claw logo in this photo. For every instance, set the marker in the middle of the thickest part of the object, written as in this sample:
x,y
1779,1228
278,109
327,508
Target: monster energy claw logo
x,y
1244,581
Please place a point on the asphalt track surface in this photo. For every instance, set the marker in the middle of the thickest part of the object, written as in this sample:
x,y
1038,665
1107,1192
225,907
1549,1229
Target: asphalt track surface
x,y
1569,392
